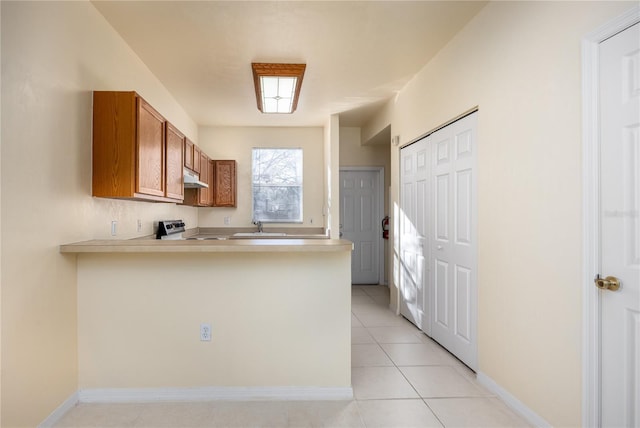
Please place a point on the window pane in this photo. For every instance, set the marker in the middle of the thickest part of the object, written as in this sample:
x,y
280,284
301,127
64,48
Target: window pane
x,y
274,203
277,185
277,166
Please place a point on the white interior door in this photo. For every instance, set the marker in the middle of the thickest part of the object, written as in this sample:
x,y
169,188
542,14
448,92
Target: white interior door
x,y
359,222
620,227
453,247
413,232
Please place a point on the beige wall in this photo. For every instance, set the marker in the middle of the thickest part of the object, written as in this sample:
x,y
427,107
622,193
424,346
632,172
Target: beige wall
x,y
520,63
53,55
378,122
260,320
237,142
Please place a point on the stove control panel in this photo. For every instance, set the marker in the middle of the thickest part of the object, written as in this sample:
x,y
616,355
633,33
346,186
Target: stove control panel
x,y
166,228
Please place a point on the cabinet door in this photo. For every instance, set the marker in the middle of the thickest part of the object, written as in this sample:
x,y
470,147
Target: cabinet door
x,y
196,158
151,151
224,184
211,182
188,154
203,194
175,161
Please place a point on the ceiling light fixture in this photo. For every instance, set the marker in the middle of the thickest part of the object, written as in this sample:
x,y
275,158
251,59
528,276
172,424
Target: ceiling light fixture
x,y
277,86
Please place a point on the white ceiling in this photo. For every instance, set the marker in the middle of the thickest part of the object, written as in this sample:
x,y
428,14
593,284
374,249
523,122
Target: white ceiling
x,y
358,53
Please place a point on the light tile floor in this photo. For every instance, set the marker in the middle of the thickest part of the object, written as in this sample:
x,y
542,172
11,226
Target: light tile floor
x,y
400,378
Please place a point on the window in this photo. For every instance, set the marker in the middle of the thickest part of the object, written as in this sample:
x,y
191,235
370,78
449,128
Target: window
x,y
277,185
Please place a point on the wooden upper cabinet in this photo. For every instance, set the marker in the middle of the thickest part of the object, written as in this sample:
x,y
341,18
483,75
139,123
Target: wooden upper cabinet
x,y
201,197
151,151
196,158
211,182
188,154
130,149
224,183
114,144
203,194
175,162
220,175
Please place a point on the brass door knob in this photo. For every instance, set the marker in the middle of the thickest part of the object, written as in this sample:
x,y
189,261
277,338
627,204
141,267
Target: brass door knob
x,y
610,283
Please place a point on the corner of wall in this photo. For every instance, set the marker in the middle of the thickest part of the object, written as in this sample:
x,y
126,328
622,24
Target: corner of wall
x,y
378,122
331,179
394,197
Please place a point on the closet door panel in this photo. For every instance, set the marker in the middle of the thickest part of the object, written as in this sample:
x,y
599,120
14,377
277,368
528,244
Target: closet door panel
x,y
413,230
454,254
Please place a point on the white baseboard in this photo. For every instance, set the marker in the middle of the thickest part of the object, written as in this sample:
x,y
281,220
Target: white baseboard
x,y
516,405
129,395
58,413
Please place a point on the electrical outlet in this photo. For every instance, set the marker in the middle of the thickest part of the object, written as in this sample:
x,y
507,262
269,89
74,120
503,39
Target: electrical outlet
x,y
227,221
114,228
139,225
205,332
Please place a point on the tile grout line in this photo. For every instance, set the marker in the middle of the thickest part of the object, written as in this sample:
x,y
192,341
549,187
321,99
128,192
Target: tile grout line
x,y
362,421
364,424
454,367
423,399
412,386
404,376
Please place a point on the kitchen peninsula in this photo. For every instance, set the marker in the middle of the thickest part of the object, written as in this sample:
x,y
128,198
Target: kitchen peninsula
x,y
274,307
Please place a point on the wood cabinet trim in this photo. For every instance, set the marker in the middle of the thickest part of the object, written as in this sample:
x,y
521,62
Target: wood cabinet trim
x,y
188,153
196,158
203,194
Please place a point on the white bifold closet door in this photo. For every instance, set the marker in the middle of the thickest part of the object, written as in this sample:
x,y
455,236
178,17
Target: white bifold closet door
x,y
439,223
413,258
453,247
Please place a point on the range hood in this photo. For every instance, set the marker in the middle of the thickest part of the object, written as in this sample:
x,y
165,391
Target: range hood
x,y
192,181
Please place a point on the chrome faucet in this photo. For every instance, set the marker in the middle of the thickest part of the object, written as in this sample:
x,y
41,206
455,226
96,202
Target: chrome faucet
x,y
259,224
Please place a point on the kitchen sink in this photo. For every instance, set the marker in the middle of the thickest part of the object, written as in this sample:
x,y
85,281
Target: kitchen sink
x,y
258,234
